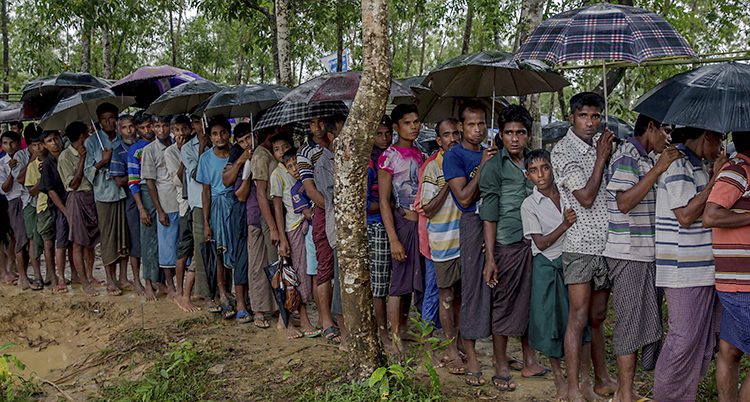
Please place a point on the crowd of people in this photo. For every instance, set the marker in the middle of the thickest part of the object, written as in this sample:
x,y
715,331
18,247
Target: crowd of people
x,y
488,241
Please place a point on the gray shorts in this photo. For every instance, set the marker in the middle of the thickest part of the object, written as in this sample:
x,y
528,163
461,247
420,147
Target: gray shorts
x,y
447,273
584,268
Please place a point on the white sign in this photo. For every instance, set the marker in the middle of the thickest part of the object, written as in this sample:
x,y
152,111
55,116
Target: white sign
x,y
329,61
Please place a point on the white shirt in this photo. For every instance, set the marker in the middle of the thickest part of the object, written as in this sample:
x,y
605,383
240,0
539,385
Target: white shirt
x,y
17,190
172,159
540,216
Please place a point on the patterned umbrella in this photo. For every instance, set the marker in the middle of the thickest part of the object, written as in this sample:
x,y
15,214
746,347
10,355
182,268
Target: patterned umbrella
x,y
291,112
149,82
244,100
335,87
183,98
42,94
714,97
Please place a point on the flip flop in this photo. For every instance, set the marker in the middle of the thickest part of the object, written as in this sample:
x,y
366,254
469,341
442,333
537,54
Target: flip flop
x,y
261,322
503,382
332,334
214,309
515,364
228,311
476,375
312,333
541,374
61,288
243,317
36,285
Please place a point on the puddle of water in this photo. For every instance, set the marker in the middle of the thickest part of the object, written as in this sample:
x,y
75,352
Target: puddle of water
x,y
53,357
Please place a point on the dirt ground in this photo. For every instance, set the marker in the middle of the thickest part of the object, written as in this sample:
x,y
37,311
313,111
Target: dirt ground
x,y
76,345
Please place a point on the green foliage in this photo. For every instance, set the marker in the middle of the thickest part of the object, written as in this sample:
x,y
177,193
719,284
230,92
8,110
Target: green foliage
x,y
14,387
179,375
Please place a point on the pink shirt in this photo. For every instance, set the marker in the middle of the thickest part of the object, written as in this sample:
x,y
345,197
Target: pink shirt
x,y
403,164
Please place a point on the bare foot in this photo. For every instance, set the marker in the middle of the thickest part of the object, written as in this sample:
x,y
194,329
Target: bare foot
x,y
127,285
150,295
113,290
535,371
562,389
186,305
23,282
576,398
89,290
587,390
293,333
139,289
606,388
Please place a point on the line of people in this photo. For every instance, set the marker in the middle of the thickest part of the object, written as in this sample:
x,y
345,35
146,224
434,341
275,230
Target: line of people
x,y
487,241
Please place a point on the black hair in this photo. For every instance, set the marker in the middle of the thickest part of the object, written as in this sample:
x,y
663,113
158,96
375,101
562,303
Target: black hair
x,y
106,107
18,124
47,133
291,153
741,140
141,117
682,134
473,105
75,130
515,113
386,121
537,154
330,122
241,130
32,133
579,100
181,119
440,122
402,110
283,137
641,124
14,136
220,120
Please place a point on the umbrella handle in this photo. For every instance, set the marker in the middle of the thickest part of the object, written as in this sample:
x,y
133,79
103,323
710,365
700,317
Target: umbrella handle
x,y
606,103
96,133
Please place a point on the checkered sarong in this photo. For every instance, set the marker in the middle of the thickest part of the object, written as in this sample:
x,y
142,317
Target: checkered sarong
x,y
604,32
380,259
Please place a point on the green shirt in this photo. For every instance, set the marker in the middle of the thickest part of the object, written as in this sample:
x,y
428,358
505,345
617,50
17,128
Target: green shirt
x,y
503,187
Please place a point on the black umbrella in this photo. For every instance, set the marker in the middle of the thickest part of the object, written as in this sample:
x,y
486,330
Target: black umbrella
x,y
42,94
12,112
244,100
183,98
426,141
278,292
553,132
714,97
82,107
208,252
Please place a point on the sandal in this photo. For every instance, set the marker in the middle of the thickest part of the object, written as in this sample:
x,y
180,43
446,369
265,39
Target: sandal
x,y
477,381
261,322
228,311
36,285
515,364
504,382
243,317
61,288
312,333
332,335
214,308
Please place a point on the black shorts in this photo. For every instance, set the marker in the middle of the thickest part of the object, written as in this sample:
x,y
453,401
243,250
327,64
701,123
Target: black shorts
x,y
185,242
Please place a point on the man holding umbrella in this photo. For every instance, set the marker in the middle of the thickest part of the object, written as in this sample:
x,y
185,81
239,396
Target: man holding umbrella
x,y
109,197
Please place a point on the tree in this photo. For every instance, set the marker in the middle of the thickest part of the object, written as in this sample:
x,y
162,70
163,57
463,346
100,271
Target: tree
x,y
352,151
467,27
282,39
531,17
6,51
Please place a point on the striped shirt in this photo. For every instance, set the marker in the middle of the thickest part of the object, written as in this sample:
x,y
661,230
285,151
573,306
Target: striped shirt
x,y
630,235
135,153
683,255
732,245
306,159
443,226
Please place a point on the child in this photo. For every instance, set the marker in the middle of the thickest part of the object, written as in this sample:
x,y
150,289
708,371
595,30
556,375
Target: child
x,y
397,176
33,137
295,226
12,168
545,222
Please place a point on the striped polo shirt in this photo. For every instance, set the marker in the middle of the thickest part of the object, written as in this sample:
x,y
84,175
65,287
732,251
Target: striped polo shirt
x,y
443,226
732,245
684,256
630,236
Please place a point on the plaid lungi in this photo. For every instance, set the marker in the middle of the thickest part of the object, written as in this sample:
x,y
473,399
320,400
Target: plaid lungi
x,y
380,259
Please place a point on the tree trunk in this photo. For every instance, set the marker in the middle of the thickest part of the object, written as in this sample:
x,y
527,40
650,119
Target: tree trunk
x,y
106,52
339,35
531,16
85,48
467,27
410,43
172,39
352,152
564,112
282,38
6,49
422,50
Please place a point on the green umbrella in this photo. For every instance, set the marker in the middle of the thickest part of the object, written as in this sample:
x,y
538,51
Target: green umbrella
x,y
184,98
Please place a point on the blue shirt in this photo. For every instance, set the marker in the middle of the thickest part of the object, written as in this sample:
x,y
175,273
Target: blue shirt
x,y
210,168
300,200
135,152
118,166
373,195
105,188
462,162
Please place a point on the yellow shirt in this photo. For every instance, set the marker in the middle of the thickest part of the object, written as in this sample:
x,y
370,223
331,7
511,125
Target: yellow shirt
x,y
33,175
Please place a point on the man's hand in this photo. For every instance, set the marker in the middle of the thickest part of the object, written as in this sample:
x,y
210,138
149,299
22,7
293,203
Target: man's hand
x,y
145,218
106,155
163,218
397,251
180,141
284,249
208,234
488,153
12,163
666,158
490,272
307,212
275,238
604,145
719,162
569,217
246,155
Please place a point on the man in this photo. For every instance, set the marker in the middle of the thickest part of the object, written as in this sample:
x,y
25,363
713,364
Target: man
x,y
32,178
12,173
109,197
630,248
146,209
726,212
118,170
462,167
443,221
579,161
53,223
80,206
685,265
508,259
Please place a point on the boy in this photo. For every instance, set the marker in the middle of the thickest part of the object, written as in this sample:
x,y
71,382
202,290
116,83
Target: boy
x,y
109,197
180,128
377,238
397,176
443,221
217,208
579,161
80,205
164,195
545,221
12,172
146,210
52,223
295,227
33,135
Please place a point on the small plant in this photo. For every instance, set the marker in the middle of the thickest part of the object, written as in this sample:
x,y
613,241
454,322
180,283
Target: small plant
x,y
13,387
